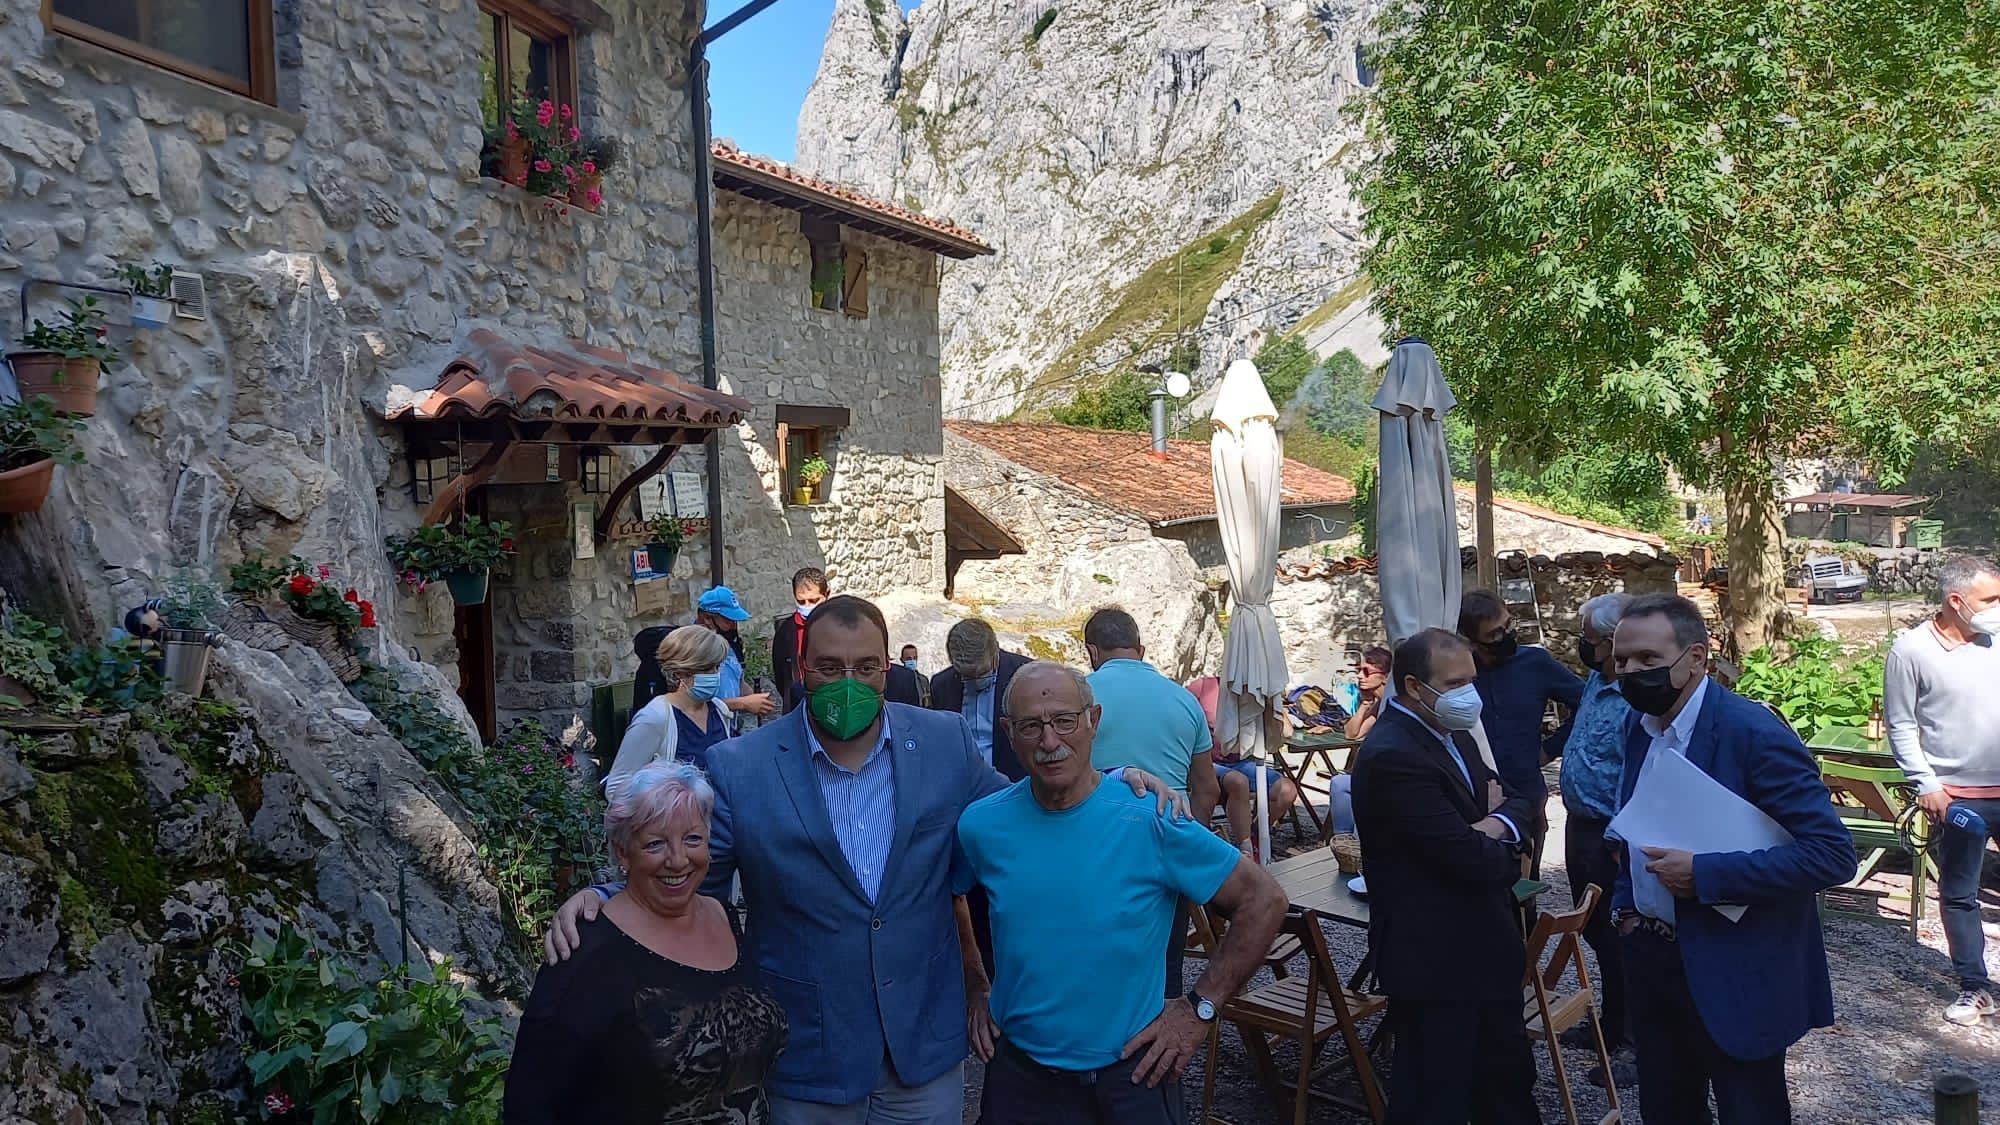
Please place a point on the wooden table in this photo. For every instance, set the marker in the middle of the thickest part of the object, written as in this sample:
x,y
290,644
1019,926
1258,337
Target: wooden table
x,y
1316,753
1314,880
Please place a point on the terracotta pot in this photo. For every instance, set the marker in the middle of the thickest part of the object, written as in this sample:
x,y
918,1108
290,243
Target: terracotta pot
x,y
579,191
71,384
514,160
26,489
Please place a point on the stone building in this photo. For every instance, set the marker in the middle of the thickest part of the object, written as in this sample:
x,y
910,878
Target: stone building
x,y
328,179
1059,490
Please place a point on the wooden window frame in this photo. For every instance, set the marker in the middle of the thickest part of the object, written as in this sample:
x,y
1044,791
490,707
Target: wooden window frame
x,y
540,24
263,45
818,440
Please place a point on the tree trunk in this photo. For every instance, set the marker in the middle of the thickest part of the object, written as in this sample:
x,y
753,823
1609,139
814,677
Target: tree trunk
x,y
1482,516
1756,538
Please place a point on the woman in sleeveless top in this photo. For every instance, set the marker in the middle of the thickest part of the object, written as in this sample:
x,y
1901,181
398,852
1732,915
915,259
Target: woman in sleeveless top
x,y
658,1018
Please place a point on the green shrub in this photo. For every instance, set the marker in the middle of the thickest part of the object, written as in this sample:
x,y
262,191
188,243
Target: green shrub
x,y
1042,23
326,1047
1812,688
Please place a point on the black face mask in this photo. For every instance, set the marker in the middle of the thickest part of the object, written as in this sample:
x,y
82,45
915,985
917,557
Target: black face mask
x,y
1502,650
1652,691
1586,653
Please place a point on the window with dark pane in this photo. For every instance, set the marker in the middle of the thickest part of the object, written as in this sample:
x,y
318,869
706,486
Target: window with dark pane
x,y
226,43
525,53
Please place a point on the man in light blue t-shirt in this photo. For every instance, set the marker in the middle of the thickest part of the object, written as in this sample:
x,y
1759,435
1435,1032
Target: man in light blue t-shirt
x,y
1084,885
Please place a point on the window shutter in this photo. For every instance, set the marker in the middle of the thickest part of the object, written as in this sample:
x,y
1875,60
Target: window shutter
x,y
854,300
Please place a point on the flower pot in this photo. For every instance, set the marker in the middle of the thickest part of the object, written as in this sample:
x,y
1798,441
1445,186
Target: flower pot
x,y
803,494
187,658
582,186
468,587
70,383
514,153
26,489
662,557
151,312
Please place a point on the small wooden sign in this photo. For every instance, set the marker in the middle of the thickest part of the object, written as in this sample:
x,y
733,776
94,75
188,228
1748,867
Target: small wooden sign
x,y
652,597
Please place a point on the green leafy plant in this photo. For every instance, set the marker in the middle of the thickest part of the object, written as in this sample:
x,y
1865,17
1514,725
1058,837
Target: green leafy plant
x,y
79,335
36,655
118,674
328,1048
1042,23
31,430
667,531
157,281
813,471
603,153
190,601
435,550
258,578
1812,686
307,589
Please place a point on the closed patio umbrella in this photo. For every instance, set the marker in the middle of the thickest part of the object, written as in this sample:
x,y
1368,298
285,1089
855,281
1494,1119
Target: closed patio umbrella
x,y
1417,558
1245,461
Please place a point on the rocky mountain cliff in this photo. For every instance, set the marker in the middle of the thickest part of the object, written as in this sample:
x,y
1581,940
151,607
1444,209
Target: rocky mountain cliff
x,y
1151,174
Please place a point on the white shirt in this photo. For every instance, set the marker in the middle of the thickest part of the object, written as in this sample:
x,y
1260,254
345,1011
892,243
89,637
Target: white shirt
x,y
1458,760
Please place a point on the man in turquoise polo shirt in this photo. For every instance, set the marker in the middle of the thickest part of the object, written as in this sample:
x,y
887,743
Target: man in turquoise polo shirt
x,y
1084,881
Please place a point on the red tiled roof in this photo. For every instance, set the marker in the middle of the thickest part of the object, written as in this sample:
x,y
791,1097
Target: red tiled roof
x,y
1117,468
1541,513
572,380
736,170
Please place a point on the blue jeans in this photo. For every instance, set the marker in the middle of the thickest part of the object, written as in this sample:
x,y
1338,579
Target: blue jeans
x,y
941,1101
1959,858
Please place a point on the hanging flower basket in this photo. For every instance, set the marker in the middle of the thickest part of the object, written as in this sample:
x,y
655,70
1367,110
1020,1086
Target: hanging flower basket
x,y
468,587
26,489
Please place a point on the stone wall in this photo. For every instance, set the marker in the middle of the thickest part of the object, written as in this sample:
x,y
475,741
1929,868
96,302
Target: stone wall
x,y
882,527
1052,520
348,244
1330,610
1518,528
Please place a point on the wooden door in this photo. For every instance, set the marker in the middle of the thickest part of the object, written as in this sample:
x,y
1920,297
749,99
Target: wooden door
x,y
473,630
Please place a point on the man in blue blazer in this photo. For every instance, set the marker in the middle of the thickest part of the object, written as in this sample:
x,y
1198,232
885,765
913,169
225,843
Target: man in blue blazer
x,y
841,819
1715,1003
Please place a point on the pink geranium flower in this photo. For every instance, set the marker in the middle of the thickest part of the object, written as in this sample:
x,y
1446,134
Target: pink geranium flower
x,y
543,166
593,197
590,167
545,114
565,111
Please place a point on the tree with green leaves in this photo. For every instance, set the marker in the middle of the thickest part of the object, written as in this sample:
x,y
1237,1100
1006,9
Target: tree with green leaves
x,y
1122,402
1719,233
1284,362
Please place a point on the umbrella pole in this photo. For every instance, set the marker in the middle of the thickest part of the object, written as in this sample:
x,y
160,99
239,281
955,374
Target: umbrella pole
x,y
1263,815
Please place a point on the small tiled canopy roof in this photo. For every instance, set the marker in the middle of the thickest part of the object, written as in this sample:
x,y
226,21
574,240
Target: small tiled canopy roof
x,y
1116,467
761,178
1887,501
497,379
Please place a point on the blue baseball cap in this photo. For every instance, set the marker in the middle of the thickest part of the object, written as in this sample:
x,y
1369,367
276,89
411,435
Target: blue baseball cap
x,y
721,601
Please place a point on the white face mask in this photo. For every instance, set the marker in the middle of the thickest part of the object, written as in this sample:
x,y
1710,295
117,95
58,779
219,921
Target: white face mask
x,y
1986,621
1457,709
805,610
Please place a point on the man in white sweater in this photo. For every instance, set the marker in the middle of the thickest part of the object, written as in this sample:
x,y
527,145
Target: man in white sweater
x,y
1941,700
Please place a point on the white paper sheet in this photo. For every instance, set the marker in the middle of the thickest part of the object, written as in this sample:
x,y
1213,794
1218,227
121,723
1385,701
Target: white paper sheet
x,y
1675,805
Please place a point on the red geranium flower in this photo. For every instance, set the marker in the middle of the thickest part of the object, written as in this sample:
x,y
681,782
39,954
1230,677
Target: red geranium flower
x,y
589,167
507,545
301,585
276,1101
543,166
367,615
351,597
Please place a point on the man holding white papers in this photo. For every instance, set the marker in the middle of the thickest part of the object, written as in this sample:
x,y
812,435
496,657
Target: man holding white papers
x,y
1941,698
1730,970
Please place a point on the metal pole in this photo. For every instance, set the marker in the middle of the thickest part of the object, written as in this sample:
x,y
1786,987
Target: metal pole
x,y
704,248
1159,398
1957,1100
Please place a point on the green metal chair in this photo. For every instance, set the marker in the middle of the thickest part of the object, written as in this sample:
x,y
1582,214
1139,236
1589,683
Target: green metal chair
x,y
1884,819
610,710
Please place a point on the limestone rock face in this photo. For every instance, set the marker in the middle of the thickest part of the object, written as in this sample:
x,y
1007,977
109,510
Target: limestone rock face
x,y
1097,147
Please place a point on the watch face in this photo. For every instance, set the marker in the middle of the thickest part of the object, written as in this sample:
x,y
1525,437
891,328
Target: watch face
x,y
1204,1009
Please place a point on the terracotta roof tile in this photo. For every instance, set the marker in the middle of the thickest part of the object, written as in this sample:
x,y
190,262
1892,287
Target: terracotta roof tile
x,y
496,376
828,192
1116,467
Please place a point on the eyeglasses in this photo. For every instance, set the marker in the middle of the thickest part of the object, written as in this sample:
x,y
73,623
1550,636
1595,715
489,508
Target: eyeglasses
x,y
834,669
1065,722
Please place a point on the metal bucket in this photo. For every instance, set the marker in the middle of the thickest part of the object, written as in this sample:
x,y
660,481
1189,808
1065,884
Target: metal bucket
x,y
187,658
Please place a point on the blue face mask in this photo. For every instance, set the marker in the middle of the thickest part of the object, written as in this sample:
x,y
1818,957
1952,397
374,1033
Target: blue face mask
x,y
986,682
705,686
910,664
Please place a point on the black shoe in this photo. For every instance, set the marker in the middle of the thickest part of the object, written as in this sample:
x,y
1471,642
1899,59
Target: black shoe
x,y
1624,1070
1581,1038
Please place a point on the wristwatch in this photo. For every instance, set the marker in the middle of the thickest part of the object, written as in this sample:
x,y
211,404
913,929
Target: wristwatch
x,y
1204,1008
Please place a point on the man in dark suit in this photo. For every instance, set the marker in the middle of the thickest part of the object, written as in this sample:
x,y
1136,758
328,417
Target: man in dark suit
x,y
809,589
1714,1003
972,688
1441,853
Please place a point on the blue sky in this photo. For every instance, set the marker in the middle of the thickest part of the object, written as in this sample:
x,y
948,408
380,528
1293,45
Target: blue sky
x,y
758,74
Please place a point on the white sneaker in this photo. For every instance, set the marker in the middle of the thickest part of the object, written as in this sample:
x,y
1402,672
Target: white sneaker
x,y
1969,1007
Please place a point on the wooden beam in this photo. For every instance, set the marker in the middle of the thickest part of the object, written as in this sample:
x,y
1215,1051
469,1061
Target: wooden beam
x,y
449,497
638,476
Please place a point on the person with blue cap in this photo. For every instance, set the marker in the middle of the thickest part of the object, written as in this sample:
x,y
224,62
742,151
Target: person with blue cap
x,y
718,609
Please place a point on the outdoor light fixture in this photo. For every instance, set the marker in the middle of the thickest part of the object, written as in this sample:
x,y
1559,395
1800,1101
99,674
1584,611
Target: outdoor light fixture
x,y
594,471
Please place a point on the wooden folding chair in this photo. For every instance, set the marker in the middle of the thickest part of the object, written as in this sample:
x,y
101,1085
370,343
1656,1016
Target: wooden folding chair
x,y
1549,1011
1877,806
1308,1009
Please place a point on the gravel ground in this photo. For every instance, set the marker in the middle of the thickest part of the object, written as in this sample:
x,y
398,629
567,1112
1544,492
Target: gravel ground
x,y
1875,1064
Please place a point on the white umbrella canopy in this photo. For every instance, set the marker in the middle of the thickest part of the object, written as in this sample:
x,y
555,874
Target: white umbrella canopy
x,y
1417,559
1246,463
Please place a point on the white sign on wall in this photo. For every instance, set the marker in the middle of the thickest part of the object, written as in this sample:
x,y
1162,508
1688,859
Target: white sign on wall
x,y
690,499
